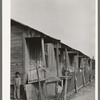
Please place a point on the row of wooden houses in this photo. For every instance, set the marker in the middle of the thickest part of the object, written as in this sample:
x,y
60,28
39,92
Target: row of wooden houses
x,y
49,68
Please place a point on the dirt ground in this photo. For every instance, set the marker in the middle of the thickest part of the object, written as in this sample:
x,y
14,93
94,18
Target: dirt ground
x,y
85,93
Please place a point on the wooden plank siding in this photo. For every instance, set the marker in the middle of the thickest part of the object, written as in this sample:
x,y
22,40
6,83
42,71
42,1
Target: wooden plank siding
x,y
71,83
16,51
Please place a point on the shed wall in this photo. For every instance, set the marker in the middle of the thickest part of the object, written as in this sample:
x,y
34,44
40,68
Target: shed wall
x,y
16,51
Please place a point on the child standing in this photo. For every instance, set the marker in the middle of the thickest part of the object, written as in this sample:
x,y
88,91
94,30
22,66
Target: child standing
x,y
17,83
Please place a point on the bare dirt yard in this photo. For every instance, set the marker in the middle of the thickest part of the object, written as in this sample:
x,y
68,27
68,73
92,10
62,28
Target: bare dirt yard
x,y
85,93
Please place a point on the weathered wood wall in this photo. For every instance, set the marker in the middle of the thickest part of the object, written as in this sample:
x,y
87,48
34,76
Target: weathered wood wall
x,y
86,70
73,65
35,59
16,54
51,59
52,67
79,73
16,51
71,83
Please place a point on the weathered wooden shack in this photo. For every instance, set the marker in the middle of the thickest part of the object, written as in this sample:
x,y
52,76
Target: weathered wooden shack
x,y
48,67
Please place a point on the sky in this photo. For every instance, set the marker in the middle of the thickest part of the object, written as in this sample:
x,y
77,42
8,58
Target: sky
x,y
71,21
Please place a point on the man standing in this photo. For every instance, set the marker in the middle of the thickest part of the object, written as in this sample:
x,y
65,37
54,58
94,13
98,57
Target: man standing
x,y
17,83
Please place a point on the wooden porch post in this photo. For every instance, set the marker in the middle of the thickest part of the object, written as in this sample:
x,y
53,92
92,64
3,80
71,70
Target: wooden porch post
x,y
75,71
39,83
44,65
57,51
57,58
25,64
66,66
84,81
25,60
91,72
